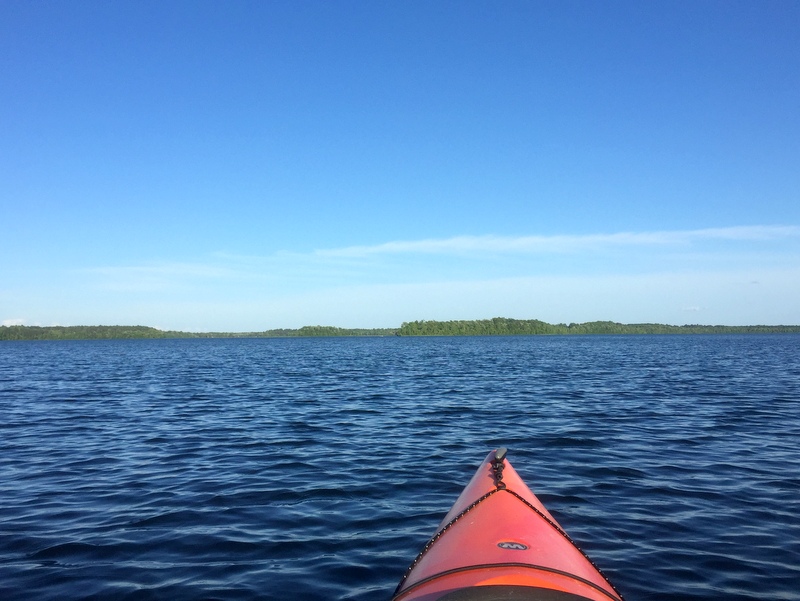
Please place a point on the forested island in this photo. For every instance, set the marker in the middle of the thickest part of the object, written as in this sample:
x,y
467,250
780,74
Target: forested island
x,y
501,326
498,326
135,332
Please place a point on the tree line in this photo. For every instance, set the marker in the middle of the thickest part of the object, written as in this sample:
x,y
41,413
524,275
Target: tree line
x,y
498,326
501,326
145,332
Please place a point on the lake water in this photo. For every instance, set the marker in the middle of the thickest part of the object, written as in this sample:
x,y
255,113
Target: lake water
x,y
315,469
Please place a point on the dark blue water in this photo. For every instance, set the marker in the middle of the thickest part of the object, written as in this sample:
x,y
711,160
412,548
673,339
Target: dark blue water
x,y
317,468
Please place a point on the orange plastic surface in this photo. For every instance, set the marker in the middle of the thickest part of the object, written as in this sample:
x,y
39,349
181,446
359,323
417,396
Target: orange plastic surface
x,y
502,540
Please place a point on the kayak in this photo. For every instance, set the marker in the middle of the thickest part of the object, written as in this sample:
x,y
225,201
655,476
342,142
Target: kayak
x,y
499,543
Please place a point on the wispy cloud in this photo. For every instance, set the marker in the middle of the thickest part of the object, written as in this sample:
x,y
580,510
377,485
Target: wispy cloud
x,y
668,276
157,275
166,270
462,257
563,243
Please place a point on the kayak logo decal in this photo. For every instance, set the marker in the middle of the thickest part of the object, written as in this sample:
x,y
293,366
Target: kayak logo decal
x,y
507,544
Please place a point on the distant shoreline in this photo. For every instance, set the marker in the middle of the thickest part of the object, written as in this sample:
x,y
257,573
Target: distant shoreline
x,y
498,326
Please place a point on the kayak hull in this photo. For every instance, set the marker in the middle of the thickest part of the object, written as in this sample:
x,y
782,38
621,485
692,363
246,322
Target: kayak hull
x,y
498,542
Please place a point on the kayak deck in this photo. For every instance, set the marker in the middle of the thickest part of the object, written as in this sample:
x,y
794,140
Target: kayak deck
x,y
498,542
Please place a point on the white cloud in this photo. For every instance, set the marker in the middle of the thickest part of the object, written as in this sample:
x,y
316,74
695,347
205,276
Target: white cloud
x,y
671,277
13,322
561,244
156,276
426,260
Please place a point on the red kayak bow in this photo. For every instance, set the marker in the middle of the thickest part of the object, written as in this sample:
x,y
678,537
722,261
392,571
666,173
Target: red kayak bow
x,y
499,543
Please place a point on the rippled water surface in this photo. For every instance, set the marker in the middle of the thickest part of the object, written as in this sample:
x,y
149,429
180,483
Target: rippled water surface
x,y
317,468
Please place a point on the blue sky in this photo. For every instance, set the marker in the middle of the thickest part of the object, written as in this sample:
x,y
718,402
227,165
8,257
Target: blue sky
x,y
242,166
